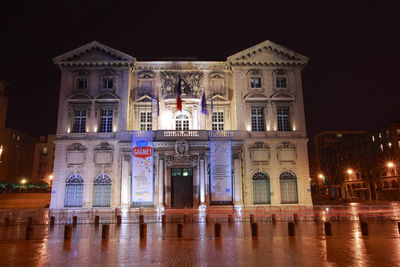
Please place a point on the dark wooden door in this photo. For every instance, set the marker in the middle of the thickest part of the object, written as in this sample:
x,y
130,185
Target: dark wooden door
x,y
182,188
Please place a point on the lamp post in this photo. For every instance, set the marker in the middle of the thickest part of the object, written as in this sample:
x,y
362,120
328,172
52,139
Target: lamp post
x,y
1,151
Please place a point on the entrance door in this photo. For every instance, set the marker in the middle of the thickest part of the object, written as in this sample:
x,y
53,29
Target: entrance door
x,y
182,187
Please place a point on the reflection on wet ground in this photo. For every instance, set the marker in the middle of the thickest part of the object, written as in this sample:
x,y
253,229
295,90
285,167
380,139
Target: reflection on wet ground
x,y
309,247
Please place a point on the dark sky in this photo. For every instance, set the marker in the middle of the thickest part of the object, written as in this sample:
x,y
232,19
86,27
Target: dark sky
x,y
351,81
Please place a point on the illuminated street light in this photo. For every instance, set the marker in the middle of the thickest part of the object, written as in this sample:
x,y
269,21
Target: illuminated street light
x,y
321,176
23,181
350,171
51,177
390,164
1,151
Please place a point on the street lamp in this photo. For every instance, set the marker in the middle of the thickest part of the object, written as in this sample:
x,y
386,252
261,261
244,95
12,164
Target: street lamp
x,y
350,171
1,151
390,164
23,181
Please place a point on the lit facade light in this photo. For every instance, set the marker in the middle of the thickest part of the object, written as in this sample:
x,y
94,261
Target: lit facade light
x,y
51,177
350,171
390,164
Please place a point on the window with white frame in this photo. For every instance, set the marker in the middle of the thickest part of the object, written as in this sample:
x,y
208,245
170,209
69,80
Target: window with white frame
x,y
280,79
102,191
146,121
283,119
82,83
79,121
108,83
74,191
257,119
106,121
255,82
182,122
217,121
288,186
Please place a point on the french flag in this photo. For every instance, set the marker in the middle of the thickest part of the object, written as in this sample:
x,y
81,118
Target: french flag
x,y
178,94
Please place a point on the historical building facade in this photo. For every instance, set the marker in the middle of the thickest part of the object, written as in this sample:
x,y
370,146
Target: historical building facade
x,y
240,138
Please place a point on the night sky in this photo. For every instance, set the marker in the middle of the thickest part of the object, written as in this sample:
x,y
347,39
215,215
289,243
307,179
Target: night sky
x,y
351,81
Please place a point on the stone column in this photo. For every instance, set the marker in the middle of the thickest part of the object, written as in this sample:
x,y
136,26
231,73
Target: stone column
x,y
238,190
202,180
125,181
160,181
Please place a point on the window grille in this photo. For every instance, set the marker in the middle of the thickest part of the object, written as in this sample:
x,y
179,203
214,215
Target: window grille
x,y
283,119
261,188
106,121
146,121
74,191
182,122
288,185
102,191
257,119
79,121
217,119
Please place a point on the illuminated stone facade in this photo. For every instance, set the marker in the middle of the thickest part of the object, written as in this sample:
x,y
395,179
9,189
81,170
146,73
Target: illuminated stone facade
x,y
254,97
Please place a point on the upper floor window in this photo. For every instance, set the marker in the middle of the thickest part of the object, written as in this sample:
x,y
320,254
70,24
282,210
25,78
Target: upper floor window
x,y
255,82
106,121
217,121
182,122
146,83
146,122
108,83
257,119
79,121
283,119
82,83
280,82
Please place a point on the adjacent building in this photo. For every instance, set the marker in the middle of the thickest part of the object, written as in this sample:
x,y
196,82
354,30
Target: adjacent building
x,y
239,138
362,164
43,159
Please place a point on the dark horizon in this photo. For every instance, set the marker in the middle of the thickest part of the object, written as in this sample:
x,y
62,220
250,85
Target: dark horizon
x,y
349,82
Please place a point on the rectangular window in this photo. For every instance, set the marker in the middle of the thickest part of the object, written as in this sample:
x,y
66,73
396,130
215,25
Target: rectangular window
x,y
217,119
106,122
283,119
146,121
82,83
280,82
108,83
255,82
79,121
257,119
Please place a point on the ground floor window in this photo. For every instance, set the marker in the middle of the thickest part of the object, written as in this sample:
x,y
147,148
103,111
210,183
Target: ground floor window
x,y
261,188
288,182
102,191
74,191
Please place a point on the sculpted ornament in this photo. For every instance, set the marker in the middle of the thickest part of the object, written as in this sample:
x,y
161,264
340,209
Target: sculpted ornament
x,y
181,148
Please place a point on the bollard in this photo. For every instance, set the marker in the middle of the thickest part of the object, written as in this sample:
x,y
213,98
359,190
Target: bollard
x,y
364,228
141,219
398,227
29,232
74,221
7,221
67,232
143,230
273,217
328,228
163,219
251,218
291,229
96,220
30,220
217,230
52,220
119,220
185,218
254,230
105,231
295,217
180,229
230,218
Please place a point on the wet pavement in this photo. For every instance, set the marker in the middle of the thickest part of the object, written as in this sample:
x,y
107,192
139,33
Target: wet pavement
x,y
199,247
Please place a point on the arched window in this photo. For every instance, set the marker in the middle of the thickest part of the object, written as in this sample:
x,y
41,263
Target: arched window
x,y
288,183
102,191
182,122
74,191
261,188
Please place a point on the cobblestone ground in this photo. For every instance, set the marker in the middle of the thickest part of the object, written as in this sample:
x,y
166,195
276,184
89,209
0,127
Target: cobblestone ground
x,y
199,247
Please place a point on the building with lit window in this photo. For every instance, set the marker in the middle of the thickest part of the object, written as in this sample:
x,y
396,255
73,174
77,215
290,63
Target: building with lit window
x,y
239,139
43,159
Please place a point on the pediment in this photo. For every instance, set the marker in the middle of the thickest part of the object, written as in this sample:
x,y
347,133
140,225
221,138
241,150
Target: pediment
x,y
282,95
145,98
255,96
267,53
79,96
92,53
218,98
107,95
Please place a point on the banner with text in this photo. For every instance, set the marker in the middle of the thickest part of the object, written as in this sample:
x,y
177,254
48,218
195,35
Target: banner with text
x,y
220,169
142,167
